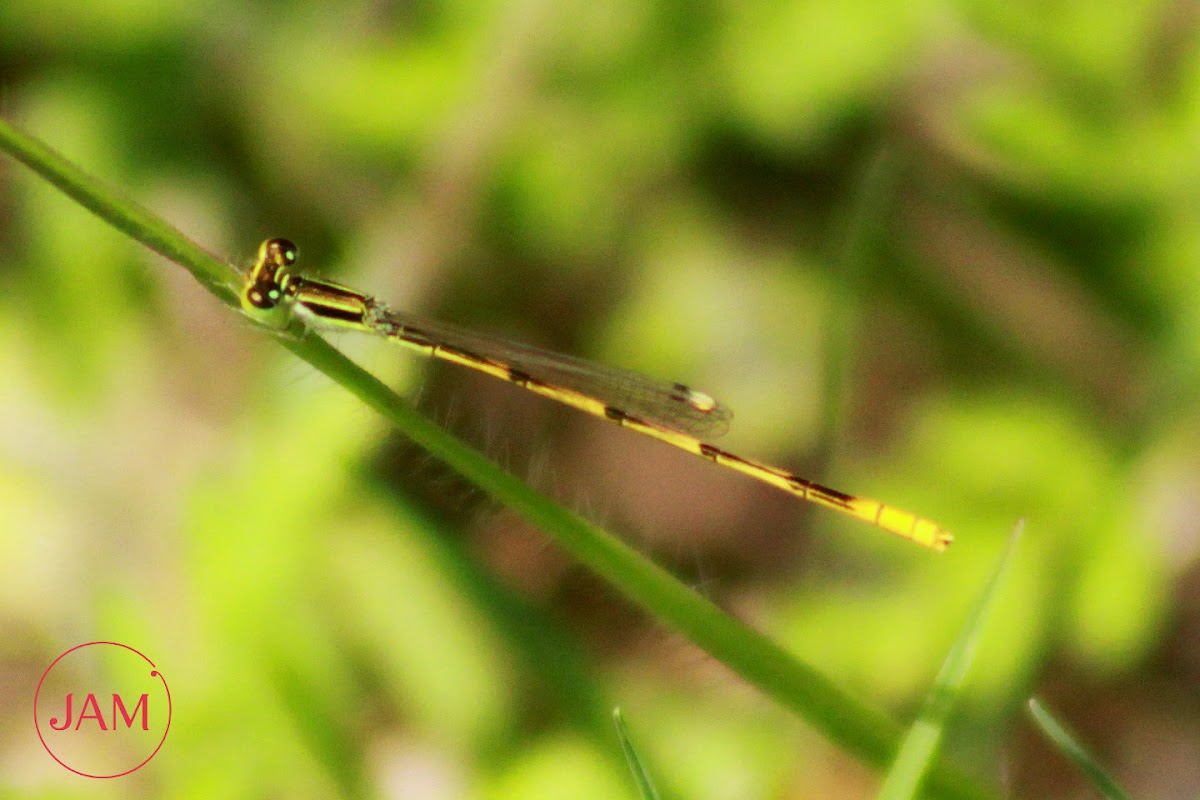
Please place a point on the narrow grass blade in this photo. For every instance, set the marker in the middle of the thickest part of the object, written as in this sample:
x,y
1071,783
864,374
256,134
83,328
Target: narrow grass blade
x,y
919,750
640,776
1070,747
122,213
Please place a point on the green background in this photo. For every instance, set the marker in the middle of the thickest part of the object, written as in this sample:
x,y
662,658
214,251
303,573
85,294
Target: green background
x,y
942,254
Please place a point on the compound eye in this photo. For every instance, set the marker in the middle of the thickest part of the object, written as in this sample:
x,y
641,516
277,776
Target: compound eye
x,y
262,296
280,252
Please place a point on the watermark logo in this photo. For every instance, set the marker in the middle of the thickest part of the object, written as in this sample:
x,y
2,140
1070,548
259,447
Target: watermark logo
x,y
102,710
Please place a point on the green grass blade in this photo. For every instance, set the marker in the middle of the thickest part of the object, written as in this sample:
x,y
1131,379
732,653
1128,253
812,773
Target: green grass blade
x,y
1070,747
861,730
644,783
122,213
920,748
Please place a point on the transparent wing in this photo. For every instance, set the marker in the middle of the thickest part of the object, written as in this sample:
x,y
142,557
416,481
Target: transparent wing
x,y
671,405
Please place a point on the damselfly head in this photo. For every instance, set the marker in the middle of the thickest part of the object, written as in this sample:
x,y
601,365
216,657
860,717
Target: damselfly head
x,y
267,281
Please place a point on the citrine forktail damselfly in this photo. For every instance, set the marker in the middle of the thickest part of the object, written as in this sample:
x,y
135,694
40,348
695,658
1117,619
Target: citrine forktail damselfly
x,y
670,412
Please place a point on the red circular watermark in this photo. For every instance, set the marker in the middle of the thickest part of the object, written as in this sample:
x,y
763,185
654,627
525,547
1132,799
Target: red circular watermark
x,y
102,710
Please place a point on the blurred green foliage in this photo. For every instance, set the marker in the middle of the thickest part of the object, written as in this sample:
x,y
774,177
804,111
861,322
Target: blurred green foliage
x,y
666,186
